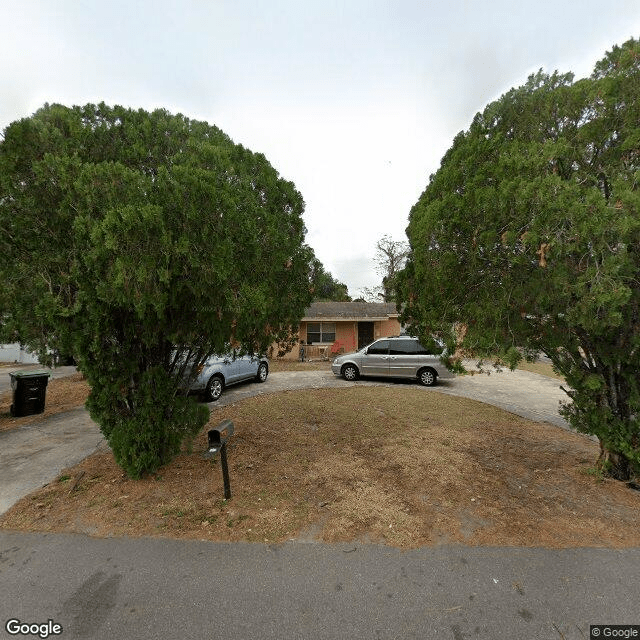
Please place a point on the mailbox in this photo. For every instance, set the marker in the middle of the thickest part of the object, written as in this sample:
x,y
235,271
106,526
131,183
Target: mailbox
x,y
218,437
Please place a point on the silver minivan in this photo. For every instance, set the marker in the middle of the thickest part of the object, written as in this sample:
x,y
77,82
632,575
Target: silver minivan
x,y
396,357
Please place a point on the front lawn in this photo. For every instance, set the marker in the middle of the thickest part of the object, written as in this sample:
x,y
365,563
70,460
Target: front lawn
x,y
404,466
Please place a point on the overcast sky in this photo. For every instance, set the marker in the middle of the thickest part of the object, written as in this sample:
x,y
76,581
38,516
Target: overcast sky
x,y
355,101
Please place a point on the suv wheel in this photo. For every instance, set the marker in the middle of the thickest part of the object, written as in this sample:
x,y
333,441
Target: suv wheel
x,y
427,377
263,371
214,388
350,372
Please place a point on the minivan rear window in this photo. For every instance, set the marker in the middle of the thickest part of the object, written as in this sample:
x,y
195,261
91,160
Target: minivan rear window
x,y
433,349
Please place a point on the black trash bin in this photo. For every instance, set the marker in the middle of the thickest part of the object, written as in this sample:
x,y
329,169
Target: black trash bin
x,y
29,392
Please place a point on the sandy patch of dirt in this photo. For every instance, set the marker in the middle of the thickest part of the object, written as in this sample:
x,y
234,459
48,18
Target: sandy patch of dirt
x,y
402,466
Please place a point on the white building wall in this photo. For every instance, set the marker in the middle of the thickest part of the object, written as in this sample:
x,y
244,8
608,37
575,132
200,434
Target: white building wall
x,y
13,353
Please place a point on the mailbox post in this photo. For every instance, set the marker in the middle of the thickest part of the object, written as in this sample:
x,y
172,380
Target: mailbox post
x,y
218,437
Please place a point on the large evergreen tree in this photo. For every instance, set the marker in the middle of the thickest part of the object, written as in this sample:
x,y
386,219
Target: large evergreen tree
x,y
141,243
323,285
528,237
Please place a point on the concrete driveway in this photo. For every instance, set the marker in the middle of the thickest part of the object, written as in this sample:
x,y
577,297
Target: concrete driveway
x,y
526,394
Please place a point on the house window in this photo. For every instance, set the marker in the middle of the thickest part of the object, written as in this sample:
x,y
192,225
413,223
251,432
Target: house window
x,y
321,332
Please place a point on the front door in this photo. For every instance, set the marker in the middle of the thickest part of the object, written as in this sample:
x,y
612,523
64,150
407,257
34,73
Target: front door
x,y
365,334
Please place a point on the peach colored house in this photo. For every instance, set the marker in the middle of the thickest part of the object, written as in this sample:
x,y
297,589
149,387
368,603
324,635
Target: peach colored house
x,y
331,327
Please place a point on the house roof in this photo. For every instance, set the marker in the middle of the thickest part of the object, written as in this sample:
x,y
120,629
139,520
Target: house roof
x,y
350,311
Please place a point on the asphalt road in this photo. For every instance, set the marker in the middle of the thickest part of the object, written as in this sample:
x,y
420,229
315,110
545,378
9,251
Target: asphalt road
x,y
152,588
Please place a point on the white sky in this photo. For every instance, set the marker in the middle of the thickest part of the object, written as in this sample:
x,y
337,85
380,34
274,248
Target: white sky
x,y
355,101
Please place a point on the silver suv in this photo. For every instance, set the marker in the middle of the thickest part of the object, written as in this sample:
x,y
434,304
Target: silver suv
x,y
397,357
219,372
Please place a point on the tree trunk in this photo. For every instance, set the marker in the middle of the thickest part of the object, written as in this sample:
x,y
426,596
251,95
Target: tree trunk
x,y
615,464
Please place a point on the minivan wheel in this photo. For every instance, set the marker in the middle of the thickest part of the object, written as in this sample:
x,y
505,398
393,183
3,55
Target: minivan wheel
x,y
263,371
427,377
350,372
214,388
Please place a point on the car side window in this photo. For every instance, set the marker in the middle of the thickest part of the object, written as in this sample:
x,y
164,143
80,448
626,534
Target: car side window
x,y
403,347
434,349
378,348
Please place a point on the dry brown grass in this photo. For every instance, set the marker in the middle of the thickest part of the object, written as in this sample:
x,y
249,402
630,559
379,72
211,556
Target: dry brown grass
x,y
295,365
402,466
542,368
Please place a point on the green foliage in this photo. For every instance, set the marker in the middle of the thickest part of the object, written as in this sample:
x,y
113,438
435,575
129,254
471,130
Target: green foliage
x,y
323,285
599,472
142,243
146,424
528,236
